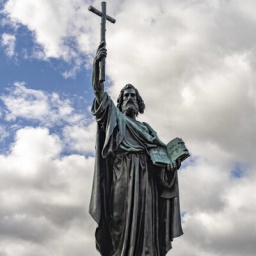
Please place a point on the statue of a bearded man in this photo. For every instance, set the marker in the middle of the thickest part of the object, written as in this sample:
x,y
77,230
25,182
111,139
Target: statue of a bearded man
x,y
134,202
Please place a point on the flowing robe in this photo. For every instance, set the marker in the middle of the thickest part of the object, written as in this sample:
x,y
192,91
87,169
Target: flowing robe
x,y
136,214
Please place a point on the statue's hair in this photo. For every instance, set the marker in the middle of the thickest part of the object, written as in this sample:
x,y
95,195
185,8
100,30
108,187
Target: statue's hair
x,y
138,97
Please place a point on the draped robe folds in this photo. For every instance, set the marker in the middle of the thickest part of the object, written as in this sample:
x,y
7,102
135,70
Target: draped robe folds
x,y
135,213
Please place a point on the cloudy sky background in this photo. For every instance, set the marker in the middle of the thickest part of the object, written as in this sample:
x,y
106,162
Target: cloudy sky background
x,y
194,64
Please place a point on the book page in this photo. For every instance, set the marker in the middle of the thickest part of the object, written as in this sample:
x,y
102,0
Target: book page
x,y
177,150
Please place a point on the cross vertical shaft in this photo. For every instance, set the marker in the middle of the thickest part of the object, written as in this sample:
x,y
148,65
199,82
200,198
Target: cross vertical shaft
x,y
104,17
103,22
103,39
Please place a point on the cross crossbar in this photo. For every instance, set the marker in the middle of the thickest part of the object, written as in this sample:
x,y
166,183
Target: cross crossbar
x,y
97,12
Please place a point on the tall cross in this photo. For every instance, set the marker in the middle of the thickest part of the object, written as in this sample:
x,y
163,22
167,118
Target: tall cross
x,y
104,17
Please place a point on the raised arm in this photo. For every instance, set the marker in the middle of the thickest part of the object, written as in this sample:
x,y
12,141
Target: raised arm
x,y
98,86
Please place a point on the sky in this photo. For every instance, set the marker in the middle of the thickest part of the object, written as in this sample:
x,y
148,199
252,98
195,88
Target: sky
x,y
193,62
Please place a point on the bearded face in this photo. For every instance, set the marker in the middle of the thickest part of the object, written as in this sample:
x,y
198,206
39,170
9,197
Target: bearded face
x,y
130,105
130,108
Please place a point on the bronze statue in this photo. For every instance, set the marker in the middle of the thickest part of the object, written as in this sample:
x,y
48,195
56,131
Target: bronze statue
x,y
135,195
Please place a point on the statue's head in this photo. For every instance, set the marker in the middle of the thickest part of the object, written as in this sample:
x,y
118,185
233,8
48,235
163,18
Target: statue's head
x,y
130,102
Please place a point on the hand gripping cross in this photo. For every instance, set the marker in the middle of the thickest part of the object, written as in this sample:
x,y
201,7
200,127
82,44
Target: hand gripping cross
x,y
104,17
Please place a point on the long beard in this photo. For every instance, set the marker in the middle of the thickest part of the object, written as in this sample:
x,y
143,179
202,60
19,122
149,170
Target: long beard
x,y
130,108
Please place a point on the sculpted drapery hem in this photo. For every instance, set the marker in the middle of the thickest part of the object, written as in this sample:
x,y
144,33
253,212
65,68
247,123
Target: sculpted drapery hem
x,y
133,219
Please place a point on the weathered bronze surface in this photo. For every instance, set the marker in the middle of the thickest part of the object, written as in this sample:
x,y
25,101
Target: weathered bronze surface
x,y
134,201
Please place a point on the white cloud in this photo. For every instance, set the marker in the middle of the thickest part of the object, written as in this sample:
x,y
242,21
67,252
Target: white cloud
x,y
27,103
80,138
37,105
3,133
44,197
50,110
225,231
58,27
8,41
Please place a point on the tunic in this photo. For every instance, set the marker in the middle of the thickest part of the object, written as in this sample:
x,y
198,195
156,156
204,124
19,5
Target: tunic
x,y
136,214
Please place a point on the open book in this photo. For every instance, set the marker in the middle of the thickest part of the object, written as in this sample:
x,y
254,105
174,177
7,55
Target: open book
x,y
175,150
